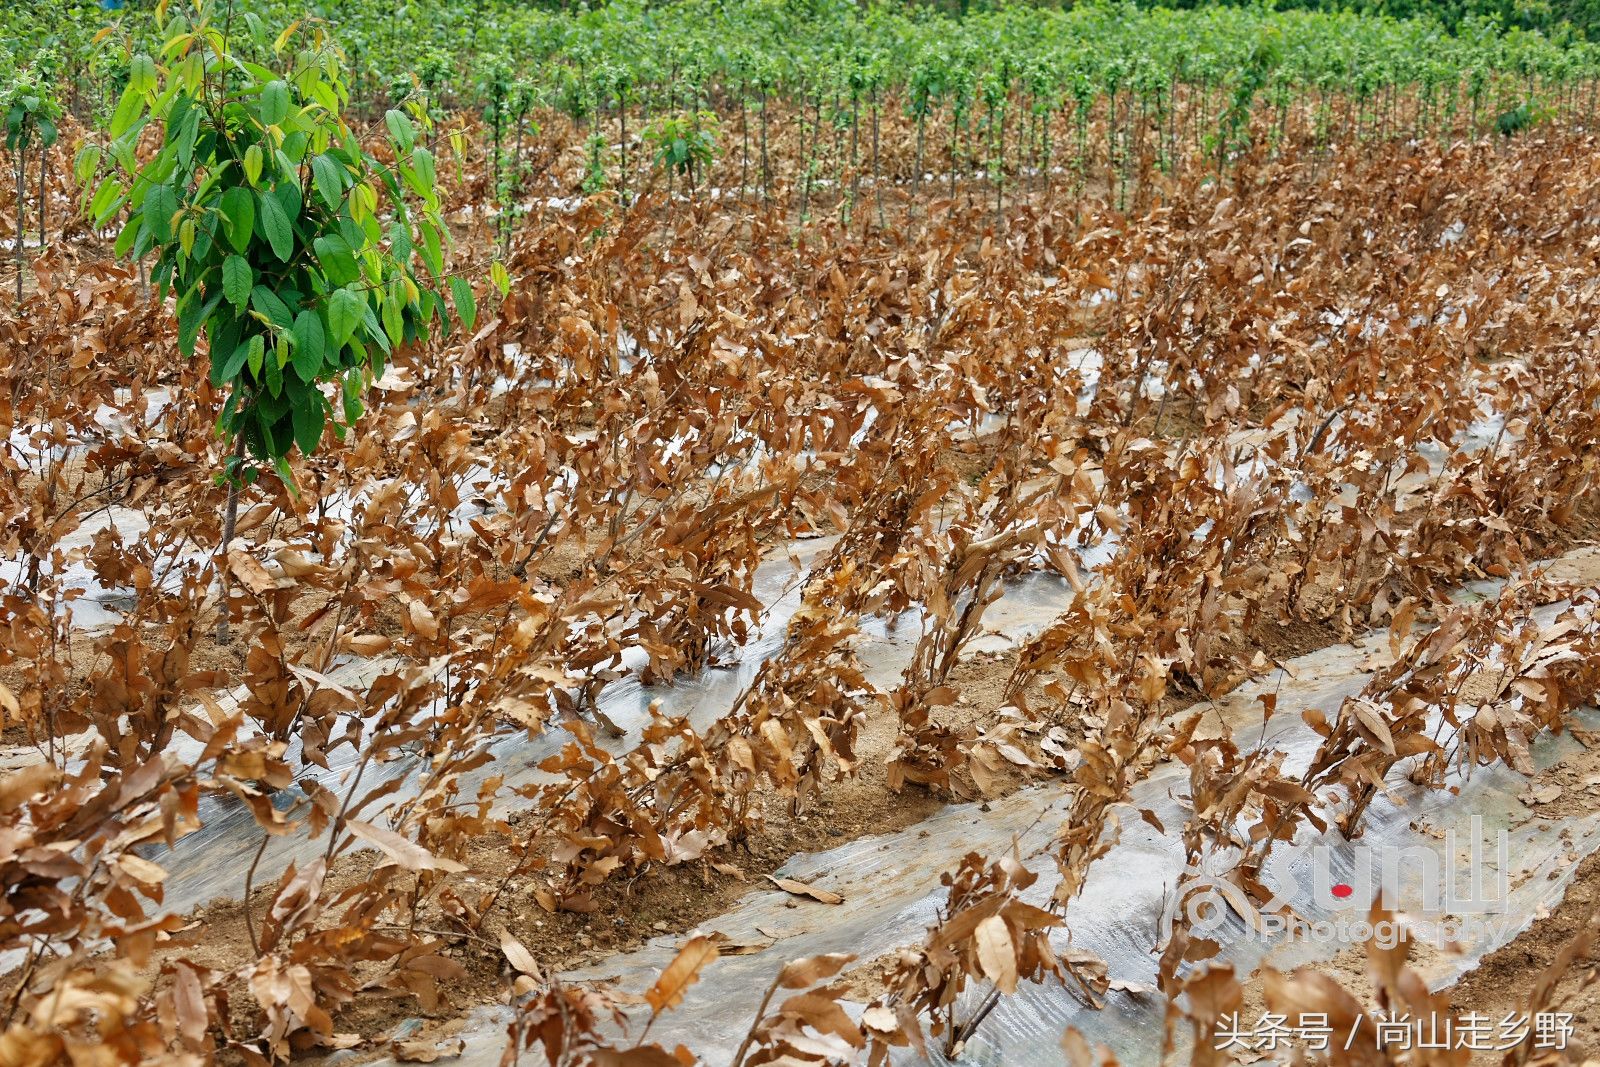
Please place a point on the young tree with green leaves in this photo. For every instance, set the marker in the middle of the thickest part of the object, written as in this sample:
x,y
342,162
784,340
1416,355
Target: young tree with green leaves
x,y
30,117
294,251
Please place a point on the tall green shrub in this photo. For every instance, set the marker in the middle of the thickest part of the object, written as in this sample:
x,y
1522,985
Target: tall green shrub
x,y
303,259
289,246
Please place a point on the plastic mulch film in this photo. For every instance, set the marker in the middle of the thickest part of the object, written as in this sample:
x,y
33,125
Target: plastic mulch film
x,y
204,865
891,889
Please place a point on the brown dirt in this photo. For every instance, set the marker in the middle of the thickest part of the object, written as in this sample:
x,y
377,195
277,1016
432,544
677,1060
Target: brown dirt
x,y
1503,981
1500,984
1280,641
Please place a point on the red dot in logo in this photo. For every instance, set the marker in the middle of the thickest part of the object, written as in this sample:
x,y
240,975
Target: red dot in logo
x,y
1341,890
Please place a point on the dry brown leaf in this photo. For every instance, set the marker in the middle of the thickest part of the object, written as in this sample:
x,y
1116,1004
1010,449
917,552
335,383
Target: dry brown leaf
x,y
997,955
249,570
422,620
19,786
365,644
801,889
519,956
404,851
804,973
727,946
423,1050
680,974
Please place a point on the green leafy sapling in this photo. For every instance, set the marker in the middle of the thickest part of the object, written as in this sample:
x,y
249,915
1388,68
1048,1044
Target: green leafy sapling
x,y
30,127
304,260
684,143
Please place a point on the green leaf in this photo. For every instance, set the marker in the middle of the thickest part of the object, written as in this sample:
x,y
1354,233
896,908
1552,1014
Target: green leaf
x,y
124,151
329,178
267,302
143,242
189,308
422,161
400,240
127,238
272,372
142,73
252,164
432,254
294,148
310,415
191,319
160,204
275,222
414,180
288,196
107,198
333,255
180,110
393,321
202,244
188,130
401,130
502,280
274,105
344,315
129,108
237,280
239,211
323,94
351,395
257,353
310,343
369,319
229,370
466,306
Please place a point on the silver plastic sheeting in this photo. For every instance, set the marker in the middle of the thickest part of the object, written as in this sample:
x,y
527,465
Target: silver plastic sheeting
x,y
1120,913
891,888
204,865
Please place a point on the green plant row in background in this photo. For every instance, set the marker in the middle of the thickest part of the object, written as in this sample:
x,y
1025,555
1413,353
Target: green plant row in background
x,y
1559,19
672,56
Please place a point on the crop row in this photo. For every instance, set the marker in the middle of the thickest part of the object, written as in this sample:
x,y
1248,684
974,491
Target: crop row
x,y
671,55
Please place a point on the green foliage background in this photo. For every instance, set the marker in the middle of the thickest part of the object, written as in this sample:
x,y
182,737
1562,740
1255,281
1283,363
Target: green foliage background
x,y
677,50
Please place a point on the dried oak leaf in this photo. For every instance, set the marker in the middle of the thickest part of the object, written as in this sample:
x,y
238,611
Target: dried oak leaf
x,y
249,570
423,621
727,946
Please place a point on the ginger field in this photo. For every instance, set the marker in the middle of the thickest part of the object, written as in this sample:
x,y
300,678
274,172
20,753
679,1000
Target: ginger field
x,y
797,534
